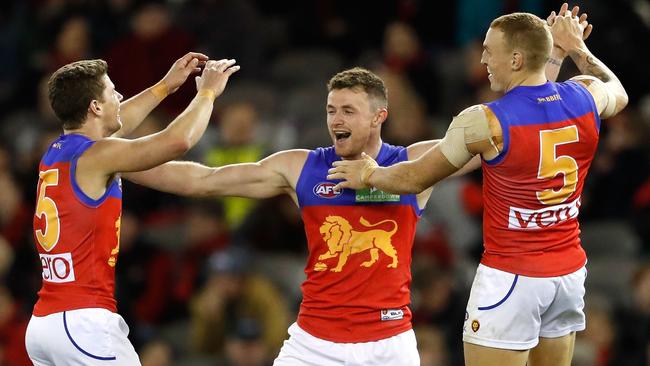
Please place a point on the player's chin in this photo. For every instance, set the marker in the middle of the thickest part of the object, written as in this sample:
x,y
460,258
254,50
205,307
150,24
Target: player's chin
x,y
494,85
342,152
116,127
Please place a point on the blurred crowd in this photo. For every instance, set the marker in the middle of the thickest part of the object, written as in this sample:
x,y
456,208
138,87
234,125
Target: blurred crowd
x,y
217,281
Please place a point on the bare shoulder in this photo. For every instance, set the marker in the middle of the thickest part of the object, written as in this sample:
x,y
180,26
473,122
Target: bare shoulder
x,y
477,111
595,86
99,154
288,163
286,157
604,98
586,80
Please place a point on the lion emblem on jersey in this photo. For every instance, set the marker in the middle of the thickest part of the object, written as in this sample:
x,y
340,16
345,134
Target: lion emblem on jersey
x,y
342,241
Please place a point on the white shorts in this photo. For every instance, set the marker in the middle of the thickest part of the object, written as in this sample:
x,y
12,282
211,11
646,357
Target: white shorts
x,y
80,337
302,349
510,311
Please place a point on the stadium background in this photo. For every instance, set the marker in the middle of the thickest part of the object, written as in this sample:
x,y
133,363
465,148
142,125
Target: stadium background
x,y
216,282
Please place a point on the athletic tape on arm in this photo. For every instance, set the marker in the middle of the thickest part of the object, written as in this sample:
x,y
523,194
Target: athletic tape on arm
x,y
603,97
469,126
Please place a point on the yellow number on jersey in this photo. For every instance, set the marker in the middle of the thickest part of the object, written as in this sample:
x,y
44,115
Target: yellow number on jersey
x,y
112,260
46,206
550,165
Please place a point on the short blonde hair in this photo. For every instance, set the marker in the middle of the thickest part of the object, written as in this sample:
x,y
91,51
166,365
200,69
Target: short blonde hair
x,y
527,33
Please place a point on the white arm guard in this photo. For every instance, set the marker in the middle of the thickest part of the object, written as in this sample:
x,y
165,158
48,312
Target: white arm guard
x,y
469,126
603,97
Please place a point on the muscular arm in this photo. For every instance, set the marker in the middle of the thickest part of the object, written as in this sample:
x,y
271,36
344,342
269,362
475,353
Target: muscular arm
x,y
111,155
554,64
608,92
413,176
134,110
469,134
274,175
420,148
611,97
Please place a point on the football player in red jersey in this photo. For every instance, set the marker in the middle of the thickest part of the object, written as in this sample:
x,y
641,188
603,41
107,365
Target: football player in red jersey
x,y
79,201
356,295
536,144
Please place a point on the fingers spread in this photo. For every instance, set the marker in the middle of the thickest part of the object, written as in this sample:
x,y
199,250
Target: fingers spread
x,y
233,70
575,11
587,31
551,18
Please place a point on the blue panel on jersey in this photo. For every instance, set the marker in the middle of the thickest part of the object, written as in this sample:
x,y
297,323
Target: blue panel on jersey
x,y
67,149
542,104
64,148
313,189
521,105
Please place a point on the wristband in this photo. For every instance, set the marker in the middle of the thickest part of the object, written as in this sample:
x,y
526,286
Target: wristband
x,y
368,168
160,90
208,93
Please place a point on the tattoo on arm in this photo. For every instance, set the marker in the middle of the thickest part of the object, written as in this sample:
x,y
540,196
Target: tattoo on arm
x,y
554,61
590,65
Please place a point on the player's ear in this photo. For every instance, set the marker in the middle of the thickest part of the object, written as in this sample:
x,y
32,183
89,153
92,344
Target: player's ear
x,y
517,61
95,107
380,116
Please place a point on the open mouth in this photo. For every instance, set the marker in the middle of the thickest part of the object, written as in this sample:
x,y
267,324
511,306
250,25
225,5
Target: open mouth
x,y
340,136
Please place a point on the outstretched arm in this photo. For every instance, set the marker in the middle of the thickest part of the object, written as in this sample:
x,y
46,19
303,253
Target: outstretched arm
x,y
269,177
608,92
558,54
134,110
420,148
110,155
407,177
469,134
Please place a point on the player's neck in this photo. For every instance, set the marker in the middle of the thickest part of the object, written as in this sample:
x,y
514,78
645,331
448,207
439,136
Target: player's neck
x,y
93,131
373,148
527,79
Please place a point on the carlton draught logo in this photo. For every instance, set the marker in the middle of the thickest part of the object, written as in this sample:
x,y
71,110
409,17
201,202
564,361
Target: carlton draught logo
x,y
342,240
326,190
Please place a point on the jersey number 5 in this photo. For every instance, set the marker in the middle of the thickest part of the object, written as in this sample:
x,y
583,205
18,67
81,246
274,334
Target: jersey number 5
x,y
550,165
48,237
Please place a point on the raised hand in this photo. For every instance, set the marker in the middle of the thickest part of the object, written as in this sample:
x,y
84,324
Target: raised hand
x,y
215,75
181,69
568,31
550,20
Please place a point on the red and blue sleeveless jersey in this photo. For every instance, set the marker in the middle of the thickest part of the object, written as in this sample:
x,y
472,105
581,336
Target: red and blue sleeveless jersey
x,y
360,243
532,188
77,237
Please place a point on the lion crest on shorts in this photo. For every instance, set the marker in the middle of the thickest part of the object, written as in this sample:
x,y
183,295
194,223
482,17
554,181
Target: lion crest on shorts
x,y
475,325
342,240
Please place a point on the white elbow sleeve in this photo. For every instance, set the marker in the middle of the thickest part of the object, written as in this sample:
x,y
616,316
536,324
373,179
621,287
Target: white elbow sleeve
x,y
470,126
453,147
610,104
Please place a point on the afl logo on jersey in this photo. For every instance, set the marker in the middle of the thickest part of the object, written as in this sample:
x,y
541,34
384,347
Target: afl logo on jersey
x,y
326,190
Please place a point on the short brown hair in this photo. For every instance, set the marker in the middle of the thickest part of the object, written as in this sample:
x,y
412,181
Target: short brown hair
x,y
72,87
528,33
364,79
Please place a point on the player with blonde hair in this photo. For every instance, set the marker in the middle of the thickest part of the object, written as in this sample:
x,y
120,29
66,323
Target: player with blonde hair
x,y
536,143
